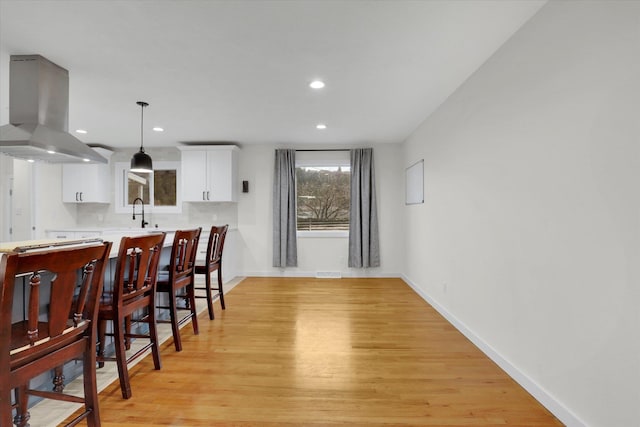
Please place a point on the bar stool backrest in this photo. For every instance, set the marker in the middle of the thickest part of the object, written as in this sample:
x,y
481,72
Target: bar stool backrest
x,y
137,266
183,254
216,244
61,287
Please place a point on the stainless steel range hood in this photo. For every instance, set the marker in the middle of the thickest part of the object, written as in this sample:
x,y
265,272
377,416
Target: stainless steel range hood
x,y
39,114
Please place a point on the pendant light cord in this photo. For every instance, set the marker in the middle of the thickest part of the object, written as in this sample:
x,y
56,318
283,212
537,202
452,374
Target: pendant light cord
x,y
142,104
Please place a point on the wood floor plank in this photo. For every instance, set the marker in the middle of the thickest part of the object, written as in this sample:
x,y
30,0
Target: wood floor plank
x,y
322,352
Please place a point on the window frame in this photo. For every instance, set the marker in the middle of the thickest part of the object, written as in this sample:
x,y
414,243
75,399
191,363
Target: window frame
x,y
328,158
121,188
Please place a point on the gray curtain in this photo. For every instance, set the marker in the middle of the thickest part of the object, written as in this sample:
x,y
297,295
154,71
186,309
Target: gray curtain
x,y
285,251
364,247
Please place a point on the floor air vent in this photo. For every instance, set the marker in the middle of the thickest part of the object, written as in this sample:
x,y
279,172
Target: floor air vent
x,y
328,275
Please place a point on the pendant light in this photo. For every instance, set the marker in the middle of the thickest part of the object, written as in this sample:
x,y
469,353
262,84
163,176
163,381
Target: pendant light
x,y
141,162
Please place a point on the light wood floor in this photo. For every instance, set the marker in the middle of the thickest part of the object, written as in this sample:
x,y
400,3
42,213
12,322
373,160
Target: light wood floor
x,y
309,352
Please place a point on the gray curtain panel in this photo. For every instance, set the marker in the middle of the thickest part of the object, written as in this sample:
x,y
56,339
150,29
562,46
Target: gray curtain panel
x,y
364,246
285,250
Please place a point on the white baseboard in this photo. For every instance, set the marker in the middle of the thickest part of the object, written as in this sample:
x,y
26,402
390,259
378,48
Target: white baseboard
x,y
540,394
289,272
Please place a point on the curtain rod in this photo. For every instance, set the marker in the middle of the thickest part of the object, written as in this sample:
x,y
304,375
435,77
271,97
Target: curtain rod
x,y
327,149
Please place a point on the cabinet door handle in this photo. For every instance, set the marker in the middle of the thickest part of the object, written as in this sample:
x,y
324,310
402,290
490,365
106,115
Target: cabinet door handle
x,y
203,193
207,195
81,196
76,196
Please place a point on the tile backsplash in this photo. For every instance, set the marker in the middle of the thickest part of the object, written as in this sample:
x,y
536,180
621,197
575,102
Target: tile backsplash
x,y
193,214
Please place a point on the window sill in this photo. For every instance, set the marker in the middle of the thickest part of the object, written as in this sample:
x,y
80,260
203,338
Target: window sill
x,y
328,233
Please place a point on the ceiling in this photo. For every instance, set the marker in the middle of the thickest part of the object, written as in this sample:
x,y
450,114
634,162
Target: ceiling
x,y
238,71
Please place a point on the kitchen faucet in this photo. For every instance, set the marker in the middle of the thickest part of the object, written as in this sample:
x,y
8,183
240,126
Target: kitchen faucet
x,y
143,222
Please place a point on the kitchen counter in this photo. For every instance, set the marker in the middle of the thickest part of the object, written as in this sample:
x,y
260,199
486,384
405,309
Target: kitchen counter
x,y
42,244
107,230
114,234
53,243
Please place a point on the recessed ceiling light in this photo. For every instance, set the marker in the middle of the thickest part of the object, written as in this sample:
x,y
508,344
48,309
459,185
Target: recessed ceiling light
x,y
86,160
81,131
51,152
321,126
316,84
158,129
30,160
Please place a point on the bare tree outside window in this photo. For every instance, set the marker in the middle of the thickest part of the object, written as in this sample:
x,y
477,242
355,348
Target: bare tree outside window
x,y
164,187
323,195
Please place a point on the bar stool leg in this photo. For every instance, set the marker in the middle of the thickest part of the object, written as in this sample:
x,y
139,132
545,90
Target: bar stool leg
x,y
191,295
102,336
207,280
177,342
153,336
58,379
121,358
220,292
22,401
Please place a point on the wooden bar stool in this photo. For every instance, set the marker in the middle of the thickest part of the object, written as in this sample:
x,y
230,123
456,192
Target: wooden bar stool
x,y
213,262
59,282
133,293
180,278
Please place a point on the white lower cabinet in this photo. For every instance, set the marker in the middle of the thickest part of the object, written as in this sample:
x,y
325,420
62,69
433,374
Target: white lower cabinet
x,y
72,234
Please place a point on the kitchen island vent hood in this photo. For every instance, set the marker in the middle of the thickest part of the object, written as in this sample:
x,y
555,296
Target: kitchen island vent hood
x,y
39,114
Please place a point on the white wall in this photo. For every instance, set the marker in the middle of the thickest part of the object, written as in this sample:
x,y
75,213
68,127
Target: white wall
x,y
6,162
22,201
253,212
36,201
4,85
316,254
50,212
529,240
6,174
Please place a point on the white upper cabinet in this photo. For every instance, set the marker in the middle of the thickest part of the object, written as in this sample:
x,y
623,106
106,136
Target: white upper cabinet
x,y
87,183
209,173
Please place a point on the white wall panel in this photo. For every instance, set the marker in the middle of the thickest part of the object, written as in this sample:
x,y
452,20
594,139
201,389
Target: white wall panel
x,y
530,231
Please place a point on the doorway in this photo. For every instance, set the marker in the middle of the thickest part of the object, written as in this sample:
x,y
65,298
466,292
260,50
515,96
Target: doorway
x,y
21,201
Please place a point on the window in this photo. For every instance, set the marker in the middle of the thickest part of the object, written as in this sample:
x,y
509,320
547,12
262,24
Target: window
x,y
323,182
159,190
